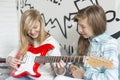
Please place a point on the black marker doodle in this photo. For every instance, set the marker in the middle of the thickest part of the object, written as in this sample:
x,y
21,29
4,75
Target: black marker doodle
x,y
113,17
94,2
52,22
23,4
68,19
116,35
58,2
113,14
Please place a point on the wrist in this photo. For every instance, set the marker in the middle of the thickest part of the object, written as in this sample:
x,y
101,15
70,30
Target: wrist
x,y
60,71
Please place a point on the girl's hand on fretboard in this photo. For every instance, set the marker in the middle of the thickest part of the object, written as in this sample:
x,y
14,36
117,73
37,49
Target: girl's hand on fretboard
x,y
59,67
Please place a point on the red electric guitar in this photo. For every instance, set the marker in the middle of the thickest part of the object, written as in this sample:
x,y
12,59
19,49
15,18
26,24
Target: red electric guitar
x,y
35,56
28,66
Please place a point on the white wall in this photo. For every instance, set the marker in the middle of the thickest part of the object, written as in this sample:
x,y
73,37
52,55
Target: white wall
x,y
8,26
57,15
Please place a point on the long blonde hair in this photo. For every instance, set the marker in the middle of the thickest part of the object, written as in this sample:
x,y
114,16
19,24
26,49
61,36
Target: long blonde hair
x,y
28,19
96,19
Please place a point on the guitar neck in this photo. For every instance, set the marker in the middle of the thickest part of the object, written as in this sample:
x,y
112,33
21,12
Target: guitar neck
x,y
94,61
51,59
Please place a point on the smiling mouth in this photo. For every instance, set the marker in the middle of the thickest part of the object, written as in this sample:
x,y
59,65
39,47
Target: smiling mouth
x,y
82,34
33,35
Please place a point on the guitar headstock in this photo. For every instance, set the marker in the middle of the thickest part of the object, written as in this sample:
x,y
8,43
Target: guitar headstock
x,y
95,61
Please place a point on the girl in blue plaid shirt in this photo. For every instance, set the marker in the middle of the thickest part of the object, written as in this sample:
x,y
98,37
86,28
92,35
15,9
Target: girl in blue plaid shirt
x,y
93,41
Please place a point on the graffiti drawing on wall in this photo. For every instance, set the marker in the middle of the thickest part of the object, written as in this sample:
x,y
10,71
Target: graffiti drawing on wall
x,y
58,14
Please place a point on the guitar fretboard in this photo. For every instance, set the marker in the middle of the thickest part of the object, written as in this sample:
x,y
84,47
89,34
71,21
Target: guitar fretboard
x,y
50,59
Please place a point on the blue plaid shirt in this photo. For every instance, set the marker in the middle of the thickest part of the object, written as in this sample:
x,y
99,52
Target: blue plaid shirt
x,y
106,47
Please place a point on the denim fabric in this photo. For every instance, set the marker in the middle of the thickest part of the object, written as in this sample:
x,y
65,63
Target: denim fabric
x,y
23,78
106,47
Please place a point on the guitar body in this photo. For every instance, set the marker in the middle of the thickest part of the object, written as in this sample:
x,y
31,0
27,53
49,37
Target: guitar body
x,y
28,66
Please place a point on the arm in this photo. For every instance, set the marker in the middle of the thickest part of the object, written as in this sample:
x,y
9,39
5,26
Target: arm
x,y
58,67
11,60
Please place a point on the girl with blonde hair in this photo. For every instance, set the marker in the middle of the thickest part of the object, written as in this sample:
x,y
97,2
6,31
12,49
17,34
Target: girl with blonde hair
x,y
34,40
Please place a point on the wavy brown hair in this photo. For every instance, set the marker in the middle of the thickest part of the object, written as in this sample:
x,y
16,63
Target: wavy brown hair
x,y
96,19
29,19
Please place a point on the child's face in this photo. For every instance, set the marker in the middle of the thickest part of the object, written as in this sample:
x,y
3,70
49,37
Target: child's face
x,y
34,30
84,29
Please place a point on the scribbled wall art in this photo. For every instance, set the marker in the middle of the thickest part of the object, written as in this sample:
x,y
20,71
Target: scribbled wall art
x,y
58,14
